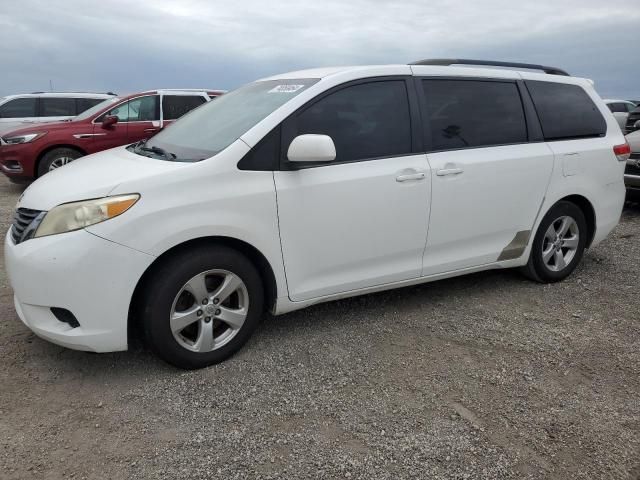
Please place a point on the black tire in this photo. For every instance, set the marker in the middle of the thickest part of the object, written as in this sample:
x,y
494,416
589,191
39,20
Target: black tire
x,y
57,153
536,269
167,281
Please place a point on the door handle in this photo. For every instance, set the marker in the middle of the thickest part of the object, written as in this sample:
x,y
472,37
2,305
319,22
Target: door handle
x,y
448,171
410,176
151,130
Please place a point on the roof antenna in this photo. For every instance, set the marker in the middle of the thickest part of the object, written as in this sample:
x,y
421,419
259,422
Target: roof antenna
x,y
50,85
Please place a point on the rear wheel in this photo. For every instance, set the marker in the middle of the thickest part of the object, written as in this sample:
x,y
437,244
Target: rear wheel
x,y
56,158
559,244
201,306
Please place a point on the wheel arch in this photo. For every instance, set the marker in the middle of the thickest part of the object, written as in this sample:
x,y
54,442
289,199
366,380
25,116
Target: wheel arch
x,y
51,148
252,253
589,214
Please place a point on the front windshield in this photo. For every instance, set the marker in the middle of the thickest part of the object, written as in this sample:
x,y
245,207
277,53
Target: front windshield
x,y
211,128
96,108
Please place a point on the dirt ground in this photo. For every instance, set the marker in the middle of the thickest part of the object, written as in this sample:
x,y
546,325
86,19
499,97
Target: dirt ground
x,y
480,377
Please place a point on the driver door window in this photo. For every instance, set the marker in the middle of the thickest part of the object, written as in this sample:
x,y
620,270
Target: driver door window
x,y
365,121
141,109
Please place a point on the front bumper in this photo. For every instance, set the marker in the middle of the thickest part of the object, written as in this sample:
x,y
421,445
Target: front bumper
x,y
91,277
17,161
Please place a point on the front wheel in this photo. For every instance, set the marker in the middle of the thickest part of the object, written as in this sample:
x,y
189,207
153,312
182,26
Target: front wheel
x,y
559,243
56,158
201,306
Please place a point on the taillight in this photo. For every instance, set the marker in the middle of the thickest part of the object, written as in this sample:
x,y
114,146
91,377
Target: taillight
x,y
622,152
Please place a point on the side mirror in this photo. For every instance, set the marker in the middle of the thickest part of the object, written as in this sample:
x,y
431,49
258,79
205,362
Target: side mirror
x,y
312,148
109,120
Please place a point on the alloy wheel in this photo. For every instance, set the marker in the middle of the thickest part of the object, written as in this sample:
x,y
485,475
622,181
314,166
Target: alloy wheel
x,y
560,243
60,162
209,310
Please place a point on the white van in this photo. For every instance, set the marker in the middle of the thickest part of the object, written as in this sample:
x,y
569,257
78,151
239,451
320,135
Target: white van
x,y
17,111
312,186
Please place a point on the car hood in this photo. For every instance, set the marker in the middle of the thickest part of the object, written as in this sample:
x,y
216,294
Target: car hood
x,y
93,176
14,129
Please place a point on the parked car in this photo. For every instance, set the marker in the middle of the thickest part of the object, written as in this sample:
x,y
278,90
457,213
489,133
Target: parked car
x,y
620,110
31,152
21,110
632,172
312,186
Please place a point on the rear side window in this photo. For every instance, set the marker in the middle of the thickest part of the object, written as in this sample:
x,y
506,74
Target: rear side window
x,y
618,107
83,104
19,108
473,113
57,107
368,120
565,111
174,106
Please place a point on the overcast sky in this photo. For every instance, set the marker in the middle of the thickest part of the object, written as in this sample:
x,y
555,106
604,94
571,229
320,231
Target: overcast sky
x,y
128,46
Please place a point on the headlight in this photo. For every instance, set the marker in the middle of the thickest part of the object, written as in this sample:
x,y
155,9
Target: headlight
x,y
16,139
77,215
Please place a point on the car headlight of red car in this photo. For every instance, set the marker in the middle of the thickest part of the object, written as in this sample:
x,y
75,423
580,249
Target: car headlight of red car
x,y
26,138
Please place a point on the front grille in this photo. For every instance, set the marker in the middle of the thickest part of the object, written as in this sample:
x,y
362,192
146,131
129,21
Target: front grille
x,y
21,220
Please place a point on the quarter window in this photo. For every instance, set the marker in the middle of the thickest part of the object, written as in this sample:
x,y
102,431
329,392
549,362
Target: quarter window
x,y
565,111
368,120
472,113
174,106
19,108
57,107
139,109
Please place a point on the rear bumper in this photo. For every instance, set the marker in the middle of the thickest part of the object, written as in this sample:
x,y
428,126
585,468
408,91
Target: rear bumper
x,y
608,210
91,277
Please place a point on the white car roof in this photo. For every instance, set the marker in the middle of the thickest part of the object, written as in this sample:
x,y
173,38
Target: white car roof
x,y
60,95
613,100
184,90
363,71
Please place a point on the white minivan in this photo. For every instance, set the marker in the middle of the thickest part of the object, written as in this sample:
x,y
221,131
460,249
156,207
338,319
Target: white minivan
x,y
17,111
312,186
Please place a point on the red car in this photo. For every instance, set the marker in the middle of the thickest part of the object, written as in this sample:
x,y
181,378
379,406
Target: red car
x,y
31,152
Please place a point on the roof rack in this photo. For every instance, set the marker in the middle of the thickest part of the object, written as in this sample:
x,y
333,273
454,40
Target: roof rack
x,y
74,93
460,61
183,90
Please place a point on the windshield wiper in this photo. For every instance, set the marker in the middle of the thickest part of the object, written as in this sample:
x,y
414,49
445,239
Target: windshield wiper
x,y
157,150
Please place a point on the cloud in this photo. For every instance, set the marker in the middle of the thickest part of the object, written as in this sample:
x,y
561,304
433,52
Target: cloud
x,y
131,46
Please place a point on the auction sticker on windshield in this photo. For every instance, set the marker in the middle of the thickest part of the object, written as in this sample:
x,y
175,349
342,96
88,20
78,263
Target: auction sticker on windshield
x,y
286,88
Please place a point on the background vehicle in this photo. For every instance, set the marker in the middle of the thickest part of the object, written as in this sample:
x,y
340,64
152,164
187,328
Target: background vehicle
x,y
31,152
21,110
620,110
312,186
632,172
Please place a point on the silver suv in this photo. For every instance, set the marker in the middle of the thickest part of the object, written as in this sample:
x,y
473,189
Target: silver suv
x,y
19,110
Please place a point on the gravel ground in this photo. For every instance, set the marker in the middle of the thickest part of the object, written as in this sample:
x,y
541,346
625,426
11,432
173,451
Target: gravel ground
x,y
479,377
